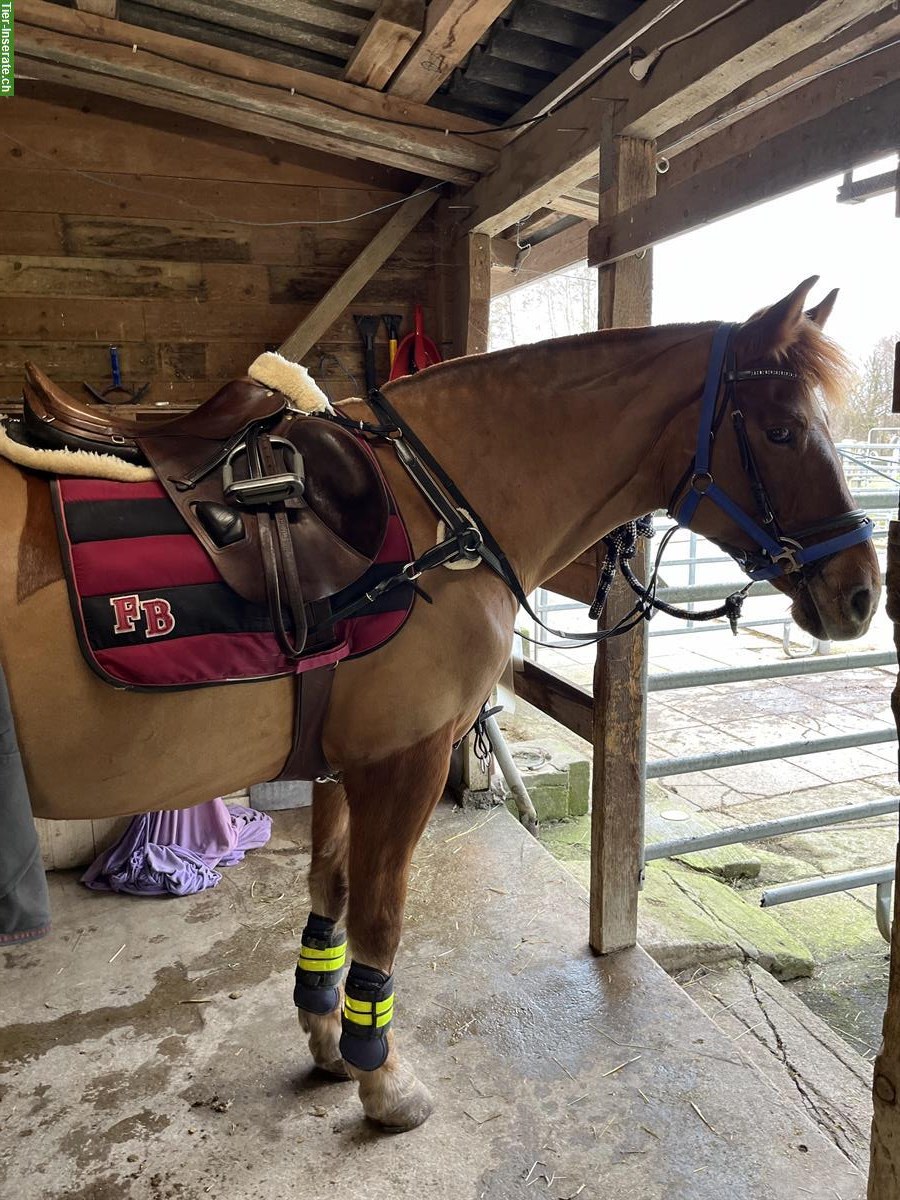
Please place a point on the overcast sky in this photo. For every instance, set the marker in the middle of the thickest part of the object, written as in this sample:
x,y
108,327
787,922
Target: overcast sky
x,y
730,268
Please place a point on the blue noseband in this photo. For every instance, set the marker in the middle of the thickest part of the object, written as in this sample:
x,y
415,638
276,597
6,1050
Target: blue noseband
x,y
778,553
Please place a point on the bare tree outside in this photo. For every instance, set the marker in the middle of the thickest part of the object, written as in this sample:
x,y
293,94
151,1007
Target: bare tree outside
x,y
868,405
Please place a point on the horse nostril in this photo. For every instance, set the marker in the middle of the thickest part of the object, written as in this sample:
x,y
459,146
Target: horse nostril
x,y
861,603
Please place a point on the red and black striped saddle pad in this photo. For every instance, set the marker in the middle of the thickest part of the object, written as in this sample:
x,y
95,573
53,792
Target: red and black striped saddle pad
x,y
151,610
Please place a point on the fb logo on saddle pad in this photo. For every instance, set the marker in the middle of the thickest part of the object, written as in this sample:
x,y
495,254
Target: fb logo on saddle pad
x,y
129,610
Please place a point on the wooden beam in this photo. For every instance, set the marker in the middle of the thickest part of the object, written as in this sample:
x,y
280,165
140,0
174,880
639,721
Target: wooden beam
x,y
559,698
867,37
405,218
617,814
855,133
239,91
545,258
452,27
559,153
384,43
101,8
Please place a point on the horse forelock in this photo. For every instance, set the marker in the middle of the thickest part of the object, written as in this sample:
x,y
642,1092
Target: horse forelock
x,y
819,361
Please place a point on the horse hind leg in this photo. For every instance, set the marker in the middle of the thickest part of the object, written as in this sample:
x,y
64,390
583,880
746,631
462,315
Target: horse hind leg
x,y
318,992
390,804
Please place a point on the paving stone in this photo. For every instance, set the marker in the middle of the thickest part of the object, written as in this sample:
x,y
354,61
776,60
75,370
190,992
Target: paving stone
x,y
723,862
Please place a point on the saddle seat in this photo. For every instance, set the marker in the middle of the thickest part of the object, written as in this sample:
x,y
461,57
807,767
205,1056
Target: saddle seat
x,y
336,522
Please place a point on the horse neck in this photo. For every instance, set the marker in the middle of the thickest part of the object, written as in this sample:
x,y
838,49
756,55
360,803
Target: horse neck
x,y
555,444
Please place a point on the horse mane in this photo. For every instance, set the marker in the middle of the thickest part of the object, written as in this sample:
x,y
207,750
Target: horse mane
x,y
819,361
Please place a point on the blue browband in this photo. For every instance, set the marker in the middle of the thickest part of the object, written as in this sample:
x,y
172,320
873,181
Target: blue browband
x,y
778,554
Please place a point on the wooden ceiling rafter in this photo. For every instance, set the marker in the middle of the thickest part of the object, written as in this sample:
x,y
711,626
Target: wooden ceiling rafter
x,y
452,28
557,154
384,43
167,72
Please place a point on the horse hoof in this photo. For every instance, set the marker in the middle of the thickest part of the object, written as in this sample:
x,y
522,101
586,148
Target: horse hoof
x,y
412,1110
335,1069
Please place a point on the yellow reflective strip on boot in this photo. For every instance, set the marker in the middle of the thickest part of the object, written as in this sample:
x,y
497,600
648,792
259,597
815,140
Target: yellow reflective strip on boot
x,y
365,1006
384,1016
366,1021
330,959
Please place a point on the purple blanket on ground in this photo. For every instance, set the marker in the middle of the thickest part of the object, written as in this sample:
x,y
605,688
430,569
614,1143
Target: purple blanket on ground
x,y
175,853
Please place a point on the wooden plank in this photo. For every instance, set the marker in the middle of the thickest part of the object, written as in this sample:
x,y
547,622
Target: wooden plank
x,y
404,219
89,131
452,27
101,8
175,241
77,360
104,279
884,1169
553,254
222,85
559,698
31,233
218,113
617,831
559,153
853,134
109,194
383,44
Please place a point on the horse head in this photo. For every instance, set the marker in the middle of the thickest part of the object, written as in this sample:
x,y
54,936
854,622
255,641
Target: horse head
x,y
766,483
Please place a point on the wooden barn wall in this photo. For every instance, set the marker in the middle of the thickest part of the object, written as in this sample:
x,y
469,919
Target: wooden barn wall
x,y
128,226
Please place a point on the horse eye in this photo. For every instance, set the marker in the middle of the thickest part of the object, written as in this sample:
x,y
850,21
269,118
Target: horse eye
x,y
780,434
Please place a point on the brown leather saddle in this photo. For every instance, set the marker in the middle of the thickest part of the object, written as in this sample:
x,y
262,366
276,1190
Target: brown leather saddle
x,y
291,507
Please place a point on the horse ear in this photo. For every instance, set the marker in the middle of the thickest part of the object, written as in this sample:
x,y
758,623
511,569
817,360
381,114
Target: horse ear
x,y
820,312
775,328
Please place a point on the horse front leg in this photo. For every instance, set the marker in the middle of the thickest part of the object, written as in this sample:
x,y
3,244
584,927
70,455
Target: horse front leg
x,y
390,804
320,964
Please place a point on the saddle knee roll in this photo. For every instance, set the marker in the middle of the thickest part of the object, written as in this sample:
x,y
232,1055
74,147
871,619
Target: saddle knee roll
x,y
317,979
367,1016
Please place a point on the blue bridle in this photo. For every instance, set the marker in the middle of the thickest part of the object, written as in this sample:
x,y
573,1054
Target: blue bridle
x,y
777,553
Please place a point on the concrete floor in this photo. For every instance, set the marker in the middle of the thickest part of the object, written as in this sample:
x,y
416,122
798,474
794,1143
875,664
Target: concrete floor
x,y
151,1050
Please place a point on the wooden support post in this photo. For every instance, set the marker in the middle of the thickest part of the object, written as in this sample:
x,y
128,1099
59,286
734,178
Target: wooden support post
x,y
627,174
884,1167
465,286
473,293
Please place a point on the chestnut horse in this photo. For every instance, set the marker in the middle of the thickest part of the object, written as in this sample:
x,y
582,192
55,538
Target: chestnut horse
x,y
553,445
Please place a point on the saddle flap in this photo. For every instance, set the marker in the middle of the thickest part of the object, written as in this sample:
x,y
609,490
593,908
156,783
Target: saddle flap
x,y
336,529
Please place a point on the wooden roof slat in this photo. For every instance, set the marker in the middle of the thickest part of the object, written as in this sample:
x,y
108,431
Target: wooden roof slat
x,y
222,24
383,44
452,27
559,153
240,92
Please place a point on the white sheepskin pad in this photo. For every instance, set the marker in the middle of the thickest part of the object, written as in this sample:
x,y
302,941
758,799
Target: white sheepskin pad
x,y
290,378
72,462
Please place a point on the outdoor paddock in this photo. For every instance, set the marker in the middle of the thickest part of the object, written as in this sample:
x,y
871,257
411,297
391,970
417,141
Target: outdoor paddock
x,y
195,185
